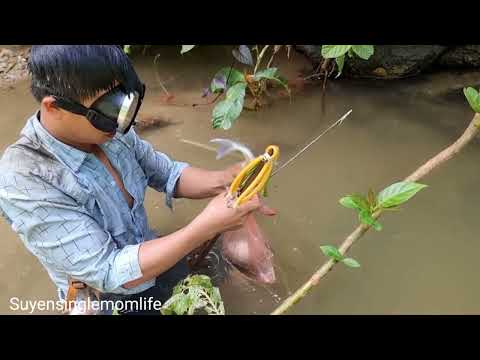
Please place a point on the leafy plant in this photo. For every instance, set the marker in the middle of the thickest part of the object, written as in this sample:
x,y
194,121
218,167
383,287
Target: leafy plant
x,y
473,98
333,253
338,53
254,82
388,199
193,294
236,85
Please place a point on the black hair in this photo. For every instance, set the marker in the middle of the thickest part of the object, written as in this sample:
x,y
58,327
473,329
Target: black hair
x,y
80,72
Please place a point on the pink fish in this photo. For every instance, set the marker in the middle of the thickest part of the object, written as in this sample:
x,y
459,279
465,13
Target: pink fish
x,y
249,250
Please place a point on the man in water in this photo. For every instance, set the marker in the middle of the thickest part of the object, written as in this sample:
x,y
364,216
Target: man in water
x,y
74,184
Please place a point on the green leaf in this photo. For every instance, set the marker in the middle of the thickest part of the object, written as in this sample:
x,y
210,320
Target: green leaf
x,y
363,51
200,280
348,202
340,62
271,74
217,301
334,51
331,252
215,295
186,48
366,218
196,302
234,77
167,311
182,305
473,98
351,262
176,305
265,74
219,82
398,193
227,111
282,81
127,49
377,226
221,308
236,92
355,201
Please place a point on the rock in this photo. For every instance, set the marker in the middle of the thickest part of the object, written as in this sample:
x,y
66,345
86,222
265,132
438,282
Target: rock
x,y
310,51
6,53
388,61
380,72
466,56
441,85
394,61
13,66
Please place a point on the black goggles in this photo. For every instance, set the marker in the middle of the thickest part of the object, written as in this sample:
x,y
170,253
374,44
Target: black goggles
x,y
114,111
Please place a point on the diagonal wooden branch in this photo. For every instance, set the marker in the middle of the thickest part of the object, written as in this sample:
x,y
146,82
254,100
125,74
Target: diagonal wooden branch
x,y
448,153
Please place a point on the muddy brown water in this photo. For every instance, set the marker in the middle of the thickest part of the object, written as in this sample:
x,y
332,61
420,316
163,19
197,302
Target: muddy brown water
x,y
425,261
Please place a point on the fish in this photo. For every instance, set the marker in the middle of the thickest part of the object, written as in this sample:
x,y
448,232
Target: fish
x,y
226,147
248,249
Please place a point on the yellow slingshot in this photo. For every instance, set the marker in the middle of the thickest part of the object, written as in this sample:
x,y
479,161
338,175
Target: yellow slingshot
x,y
254,176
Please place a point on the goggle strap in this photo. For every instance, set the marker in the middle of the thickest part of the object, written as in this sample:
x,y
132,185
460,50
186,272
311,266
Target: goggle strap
x,y
71,107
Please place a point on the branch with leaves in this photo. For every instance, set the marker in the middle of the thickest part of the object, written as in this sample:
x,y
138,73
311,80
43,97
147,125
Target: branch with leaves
x,y
369,207
388,198
335,55
338,53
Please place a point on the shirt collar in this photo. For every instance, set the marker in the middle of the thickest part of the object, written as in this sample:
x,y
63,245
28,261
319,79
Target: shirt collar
x,y
66,154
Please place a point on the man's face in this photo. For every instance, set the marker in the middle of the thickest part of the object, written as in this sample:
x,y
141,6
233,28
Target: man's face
x,y
75,128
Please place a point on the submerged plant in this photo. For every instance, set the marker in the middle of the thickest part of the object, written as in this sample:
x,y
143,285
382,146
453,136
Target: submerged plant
x,y
193,294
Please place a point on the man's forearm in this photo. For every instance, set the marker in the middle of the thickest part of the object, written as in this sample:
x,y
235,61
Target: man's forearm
x,y
196,183
159,255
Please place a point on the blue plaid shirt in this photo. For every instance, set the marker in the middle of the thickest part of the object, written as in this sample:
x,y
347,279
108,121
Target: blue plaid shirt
x,y
69,212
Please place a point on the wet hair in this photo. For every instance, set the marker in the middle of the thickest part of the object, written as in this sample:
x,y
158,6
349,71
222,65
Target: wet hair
x,y
79,72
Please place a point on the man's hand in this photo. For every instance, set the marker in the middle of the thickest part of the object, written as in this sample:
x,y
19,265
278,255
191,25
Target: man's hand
x,y
230,173
158,255
218,216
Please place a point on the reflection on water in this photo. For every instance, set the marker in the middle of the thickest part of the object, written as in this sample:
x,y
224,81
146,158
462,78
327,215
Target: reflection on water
x,y
423,262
